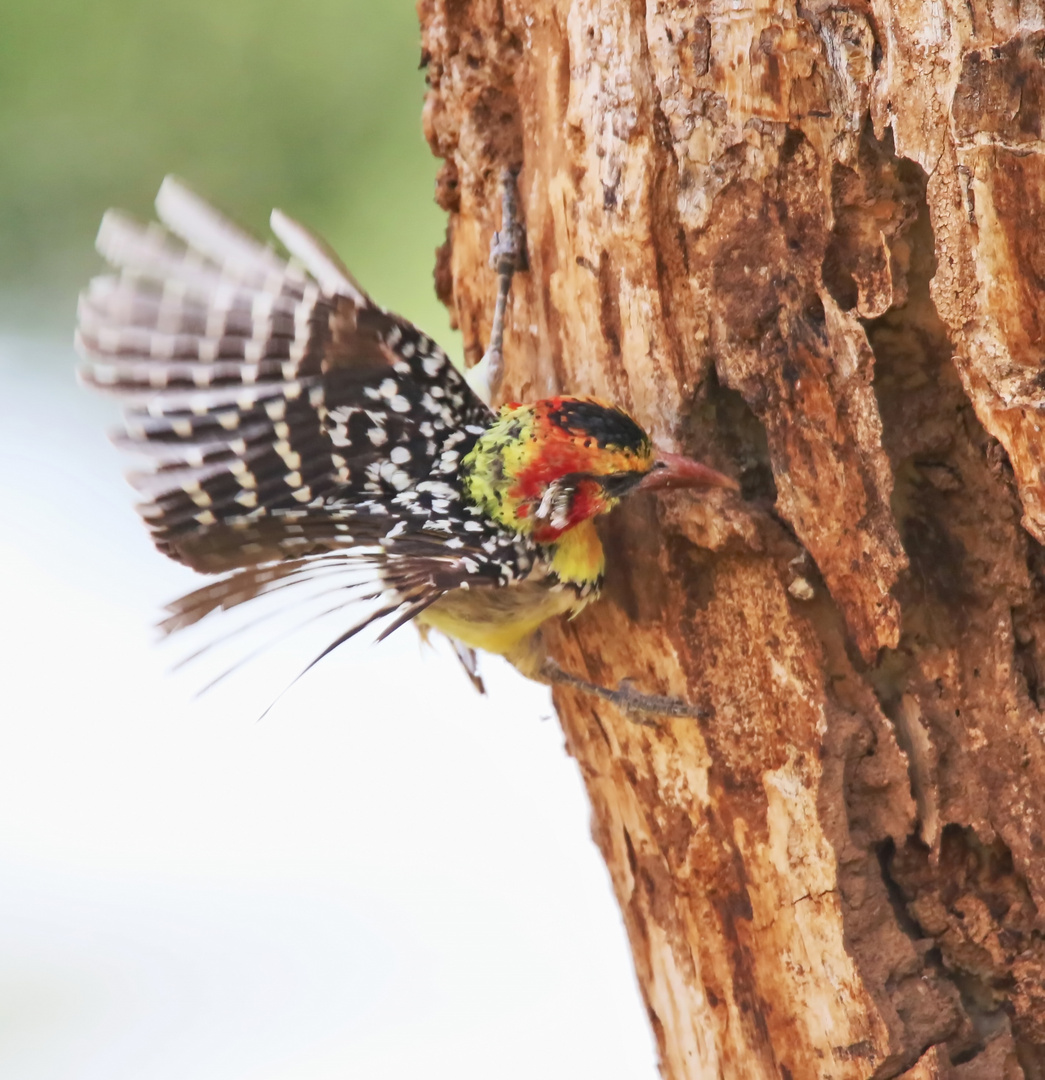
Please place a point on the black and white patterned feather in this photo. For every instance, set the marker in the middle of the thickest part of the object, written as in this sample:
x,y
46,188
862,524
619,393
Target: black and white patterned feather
x,y
291,427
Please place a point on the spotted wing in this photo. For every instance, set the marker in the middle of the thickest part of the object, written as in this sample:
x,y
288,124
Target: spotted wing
x,y
290,425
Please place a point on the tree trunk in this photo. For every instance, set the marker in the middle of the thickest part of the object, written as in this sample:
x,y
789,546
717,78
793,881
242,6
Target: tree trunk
x,y
803,243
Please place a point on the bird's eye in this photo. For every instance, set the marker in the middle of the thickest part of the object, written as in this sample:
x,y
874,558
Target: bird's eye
x,y
617,484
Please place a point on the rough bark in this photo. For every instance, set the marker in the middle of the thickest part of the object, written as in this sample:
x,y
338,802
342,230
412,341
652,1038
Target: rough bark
x,y
803,242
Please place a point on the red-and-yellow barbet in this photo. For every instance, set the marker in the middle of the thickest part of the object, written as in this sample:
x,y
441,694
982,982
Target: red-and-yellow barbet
x,y
300,433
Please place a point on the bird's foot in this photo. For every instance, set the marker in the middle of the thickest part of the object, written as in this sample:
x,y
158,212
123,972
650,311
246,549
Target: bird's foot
x,y
508,248
507,257
635,704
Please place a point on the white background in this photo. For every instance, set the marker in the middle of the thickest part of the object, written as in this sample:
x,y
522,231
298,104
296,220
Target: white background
x,y
386,877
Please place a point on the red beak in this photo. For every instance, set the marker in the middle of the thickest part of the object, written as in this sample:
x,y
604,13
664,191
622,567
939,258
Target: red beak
x,y
676,471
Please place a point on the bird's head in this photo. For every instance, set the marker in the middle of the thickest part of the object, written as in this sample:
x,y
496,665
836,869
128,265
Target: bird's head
x,y
541,469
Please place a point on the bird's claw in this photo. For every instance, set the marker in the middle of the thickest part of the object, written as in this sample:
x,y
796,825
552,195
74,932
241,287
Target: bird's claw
x,y
507,256
637,705
508,247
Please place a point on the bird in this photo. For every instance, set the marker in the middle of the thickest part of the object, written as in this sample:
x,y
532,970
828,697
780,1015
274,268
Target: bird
x,y
294,432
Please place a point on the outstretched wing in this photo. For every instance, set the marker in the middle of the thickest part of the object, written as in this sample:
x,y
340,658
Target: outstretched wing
x,y
292,428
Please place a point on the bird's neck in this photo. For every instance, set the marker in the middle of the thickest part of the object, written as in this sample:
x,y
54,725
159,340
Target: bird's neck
x,y
577,557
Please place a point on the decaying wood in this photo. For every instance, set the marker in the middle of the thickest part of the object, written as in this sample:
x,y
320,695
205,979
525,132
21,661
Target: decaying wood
x,y
803,242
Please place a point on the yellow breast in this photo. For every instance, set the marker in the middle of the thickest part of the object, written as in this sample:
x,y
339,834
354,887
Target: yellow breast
x,y
502,620
499,620
578,557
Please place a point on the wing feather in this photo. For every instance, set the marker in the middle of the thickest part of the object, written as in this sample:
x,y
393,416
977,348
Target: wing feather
x,y
290,428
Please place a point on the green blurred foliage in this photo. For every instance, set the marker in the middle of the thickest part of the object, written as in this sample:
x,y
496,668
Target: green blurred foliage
x,y
313,106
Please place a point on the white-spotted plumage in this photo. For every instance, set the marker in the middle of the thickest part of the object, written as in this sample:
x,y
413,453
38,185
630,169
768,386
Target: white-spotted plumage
x,y
291,426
